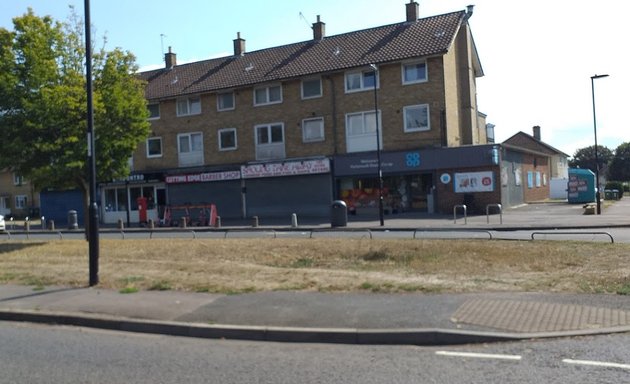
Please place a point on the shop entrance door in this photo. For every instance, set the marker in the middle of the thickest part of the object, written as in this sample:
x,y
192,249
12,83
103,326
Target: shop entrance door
x,y
420,188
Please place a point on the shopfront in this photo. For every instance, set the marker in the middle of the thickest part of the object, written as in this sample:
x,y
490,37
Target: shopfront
x,y
406,186
119,200
411,179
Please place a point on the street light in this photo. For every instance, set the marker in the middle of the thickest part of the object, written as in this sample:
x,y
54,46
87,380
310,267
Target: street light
x,y
378,150
597,192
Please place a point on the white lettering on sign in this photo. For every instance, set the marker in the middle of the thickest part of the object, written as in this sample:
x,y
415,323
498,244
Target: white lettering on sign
x,y
291,168
203,177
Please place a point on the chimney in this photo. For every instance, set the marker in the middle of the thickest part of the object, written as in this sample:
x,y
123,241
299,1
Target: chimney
x,y
170,59
412,11
239,45
536,130
319,29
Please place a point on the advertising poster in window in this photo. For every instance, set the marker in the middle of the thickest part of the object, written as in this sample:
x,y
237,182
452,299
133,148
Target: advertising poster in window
x,y
474,182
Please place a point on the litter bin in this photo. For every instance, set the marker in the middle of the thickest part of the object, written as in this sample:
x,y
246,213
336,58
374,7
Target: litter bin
x,y
338,214
72,220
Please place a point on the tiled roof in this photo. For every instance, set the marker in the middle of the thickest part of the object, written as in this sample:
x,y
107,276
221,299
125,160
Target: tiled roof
x,y
395,42
522,139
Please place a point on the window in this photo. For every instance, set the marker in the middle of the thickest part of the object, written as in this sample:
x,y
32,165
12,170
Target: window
x,y
270,141
154,147
18,179
154,111
414,72
360,81
416,118
225,101
361,131
268,95
189,106
311,88
190,149
20,201
313,130
227,139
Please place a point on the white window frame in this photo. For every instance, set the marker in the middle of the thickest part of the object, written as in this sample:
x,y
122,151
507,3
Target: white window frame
x,y
221,148
406,127
267,95
21,201
319,81
366,139
149,155
220,97
361,78
414,63
269,150
158,111
18,179
190,102
320,137
191,157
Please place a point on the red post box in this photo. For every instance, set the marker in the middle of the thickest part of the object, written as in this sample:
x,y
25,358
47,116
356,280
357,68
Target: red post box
x,y
142,209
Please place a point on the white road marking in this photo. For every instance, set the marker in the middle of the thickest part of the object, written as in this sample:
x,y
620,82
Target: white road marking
x,y
478,355
597,363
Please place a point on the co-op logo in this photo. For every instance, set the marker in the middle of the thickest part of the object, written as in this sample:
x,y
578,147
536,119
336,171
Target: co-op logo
x,y
412,159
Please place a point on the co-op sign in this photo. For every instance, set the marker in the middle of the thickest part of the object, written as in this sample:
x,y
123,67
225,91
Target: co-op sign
x,y
290,168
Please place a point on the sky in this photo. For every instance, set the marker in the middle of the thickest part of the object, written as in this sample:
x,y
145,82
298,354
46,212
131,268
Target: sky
x,y
538,56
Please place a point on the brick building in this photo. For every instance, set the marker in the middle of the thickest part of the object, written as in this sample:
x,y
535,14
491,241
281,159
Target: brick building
x,y
288,129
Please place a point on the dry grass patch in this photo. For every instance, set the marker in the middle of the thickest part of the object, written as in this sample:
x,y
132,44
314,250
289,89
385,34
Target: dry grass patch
x,y
245,265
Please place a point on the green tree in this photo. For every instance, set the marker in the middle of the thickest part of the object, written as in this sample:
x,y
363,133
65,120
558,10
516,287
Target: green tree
x,y
43,105
585,158
619,169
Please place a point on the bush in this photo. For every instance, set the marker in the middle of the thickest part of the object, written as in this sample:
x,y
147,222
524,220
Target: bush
x,y
618,185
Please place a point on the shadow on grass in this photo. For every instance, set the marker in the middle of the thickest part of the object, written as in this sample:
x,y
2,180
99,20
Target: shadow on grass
x,y
10,247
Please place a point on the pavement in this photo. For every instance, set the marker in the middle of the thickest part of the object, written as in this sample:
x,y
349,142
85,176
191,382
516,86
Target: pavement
x,y
353,318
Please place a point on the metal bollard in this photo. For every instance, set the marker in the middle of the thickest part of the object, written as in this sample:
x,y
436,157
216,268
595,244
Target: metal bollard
x,y
151,224
121,224
255,221
51,225
217,223
294,221
43,221
182,222
27,226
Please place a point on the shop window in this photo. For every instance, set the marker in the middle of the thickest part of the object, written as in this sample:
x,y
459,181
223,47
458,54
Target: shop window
x,y
18,179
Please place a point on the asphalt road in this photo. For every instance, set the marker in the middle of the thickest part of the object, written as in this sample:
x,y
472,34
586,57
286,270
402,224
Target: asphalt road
x,y
48,354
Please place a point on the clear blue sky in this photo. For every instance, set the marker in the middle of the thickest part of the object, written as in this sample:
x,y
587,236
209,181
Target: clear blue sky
x,y
537,55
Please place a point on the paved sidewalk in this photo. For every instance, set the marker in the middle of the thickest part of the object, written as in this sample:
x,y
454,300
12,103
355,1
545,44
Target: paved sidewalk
x,y
355,318
363,318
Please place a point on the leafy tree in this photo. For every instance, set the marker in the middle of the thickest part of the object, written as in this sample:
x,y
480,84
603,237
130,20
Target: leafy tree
x,y
585,158
620,164
43,105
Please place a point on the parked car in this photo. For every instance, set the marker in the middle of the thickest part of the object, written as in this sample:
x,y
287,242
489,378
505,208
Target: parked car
x,y
3,226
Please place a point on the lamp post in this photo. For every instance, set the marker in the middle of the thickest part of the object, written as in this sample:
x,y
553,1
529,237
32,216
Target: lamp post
x,y
93,208
597,192
378,150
